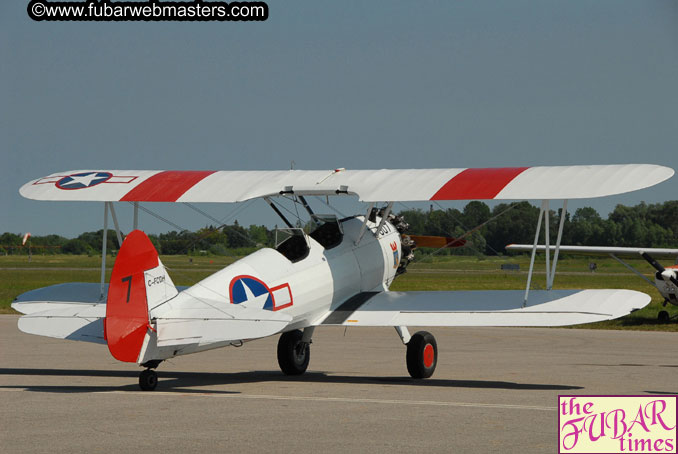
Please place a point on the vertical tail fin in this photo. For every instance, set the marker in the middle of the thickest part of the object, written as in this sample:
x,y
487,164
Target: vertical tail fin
x,y
138,283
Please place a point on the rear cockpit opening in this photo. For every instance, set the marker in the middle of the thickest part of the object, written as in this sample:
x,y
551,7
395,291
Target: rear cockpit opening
x,y
292,243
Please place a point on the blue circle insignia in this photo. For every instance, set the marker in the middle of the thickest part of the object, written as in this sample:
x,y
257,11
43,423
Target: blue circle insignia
x,y
247,288
83,180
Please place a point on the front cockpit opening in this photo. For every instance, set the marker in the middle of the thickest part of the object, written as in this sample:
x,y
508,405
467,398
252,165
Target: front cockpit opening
x,y
328,231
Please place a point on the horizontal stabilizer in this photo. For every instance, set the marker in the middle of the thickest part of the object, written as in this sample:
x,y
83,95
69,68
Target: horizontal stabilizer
x,y
73,321
73,311
52,297
489,308
206,325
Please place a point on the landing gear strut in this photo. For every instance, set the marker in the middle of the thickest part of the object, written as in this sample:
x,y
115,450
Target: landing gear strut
x,y
422,355
294,353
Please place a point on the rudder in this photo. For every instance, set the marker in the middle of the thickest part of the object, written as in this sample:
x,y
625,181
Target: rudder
x,y
138,283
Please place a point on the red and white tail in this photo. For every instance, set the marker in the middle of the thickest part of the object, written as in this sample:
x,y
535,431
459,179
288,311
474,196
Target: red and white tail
x,y
138,283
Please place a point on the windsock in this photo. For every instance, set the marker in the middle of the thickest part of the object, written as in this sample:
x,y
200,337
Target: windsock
x,y
26,237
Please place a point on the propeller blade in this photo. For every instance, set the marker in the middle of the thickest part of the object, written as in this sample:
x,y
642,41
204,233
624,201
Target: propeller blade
x,y
437,241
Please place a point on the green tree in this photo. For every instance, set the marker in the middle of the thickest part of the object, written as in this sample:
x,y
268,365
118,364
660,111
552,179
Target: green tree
x,y
76,246
237,236
516,225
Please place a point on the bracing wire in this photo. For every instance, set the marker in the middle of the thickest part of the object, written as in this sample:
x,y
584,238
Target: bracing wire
x,y
221,224
469,232
467,229
157,216
330,206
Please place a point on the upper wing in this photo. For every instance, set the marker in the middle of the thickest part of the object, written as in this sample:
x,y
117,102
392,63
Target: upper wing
x,y
565,182
486,308
598,250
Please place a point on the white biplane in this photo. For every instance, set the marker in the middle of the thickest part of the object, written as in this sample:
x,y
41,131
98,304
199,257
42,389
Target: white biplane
x,y
339,274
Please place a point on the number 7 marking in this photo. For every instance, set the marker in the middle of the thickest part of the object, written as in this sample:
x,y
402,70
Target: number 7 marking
x,y
129,286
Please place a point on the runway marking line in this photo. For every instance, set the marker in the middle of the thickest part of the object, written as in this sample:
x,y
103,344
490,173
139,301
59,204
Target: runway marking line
x,y
321,399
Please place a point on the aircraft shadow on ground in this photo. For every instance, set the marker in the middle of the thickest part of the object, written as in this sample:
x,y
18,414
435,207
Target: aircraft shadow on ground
x,y
184,381
626,365
666,393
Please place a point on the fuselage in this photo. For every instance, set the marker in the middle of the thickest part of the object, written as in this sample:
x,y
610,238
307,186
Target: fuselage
x,y
306,284
667,289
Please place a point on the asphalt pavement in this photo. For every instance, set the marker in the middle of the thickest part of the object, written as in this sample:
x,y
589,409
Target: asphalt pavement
x,y
495,390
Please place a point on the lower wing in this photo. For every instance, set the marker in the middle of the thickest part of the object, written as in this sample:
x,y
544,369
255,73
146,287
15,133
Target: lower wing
x,y
485,308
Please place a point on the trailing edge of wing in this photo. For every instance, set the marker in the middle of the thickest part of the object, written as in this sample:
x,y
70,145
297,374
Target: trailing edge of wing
x,y
489,308
509,183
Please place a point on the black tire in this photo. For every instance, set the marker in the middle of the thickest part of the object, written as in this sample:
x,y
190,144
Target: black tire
x,y
293,355
422,355
663,316
148,380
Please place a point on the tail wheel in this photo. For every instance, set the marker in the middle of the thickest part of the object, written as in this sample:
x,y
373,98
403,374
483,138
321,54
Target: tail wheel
x,y
422,355
148,380
293,354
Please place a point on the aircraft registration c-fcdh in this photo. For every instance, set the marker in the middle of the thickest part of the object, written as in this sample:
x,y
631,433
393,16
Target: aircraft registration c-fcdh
x,y
339,274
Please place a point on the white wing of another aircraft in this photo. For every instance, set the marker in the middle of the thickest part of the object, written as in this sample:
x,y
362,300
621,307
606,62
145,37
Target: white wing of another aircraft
x,y
507,183
597,250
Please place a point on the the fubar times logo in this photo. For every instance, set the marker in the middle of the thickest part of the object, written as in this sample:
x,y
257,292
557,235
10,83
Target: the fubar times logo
x,y
617,424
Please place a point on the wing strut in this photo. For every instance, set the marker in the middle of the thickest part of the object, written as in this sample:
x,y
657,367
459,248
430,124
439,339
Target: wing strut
x,y
103,250
109,206
563,212
278,212
634,271
115,223
534,252
364,226
550,271
135,224
308,209
384,217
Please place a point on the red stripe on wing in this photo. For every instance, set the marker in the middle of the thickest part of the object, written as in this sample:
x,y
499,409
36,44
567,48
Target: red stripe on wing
x,y
474,184
166,186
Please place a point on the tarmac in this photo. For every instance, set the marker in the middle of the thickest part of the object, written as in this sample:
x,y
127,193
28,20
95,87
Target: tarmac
x,y
494,390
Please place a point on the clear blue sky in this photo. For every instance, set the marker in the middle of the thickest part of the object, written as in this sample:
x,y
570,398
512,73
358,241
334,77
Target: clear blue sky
x,y
381,84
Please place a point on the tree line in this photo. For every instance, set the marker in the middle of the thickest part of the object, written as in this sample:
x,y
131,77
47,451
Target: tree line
x,y
646,225
486,230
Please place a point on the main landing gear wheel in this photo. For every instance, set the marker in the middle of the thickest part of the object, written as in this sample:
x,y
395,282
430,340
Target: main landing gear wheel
x,y
148,380
663,316
422,355
293,354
